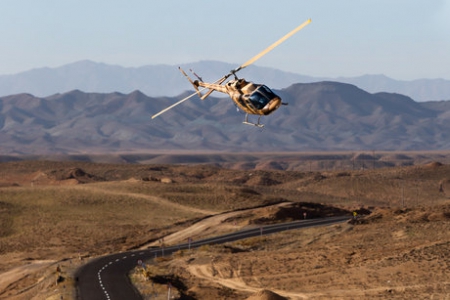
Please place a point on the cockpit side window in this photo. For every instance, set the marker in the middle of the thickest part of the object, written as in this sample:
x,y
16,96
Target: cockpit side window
x,y
258,100
261,96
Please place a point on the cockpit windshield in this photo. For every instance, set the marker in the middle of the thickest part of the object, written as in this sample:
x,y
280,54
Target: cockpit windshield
x,y
261,96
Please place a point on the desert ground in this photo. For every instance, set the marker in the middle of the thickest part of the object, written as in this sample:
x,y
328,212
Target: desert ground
x,y
56,216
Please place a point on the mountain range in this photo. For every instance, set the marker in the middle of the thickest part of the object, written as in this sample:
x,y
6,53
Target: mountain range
x,y
320,116
165,80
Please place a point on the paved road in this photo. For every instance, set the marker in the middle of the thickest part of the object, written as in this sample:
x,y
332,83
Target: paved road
x,y
107,277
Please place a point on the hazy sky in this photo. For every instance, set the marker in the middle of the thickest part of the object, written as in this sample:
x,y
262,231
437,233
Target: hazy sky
x,y
403,39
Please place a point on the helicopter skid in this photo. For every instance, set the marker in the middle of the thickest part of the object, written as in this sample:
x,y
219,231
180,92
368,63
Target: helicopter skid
x,y
257,125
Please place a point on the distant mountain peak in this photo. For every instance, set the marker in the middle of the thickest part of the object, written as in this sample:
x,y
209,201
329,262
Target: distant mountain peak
x,y
165,80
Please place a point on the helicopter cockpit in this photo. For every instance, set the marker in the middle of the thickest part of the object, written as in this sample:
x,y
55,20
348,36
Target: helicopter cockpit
x,y
262,96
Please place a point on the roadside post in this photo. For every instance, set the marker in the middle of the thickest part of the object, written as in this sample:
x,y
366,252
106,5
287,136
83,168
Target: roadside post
x,y
169,286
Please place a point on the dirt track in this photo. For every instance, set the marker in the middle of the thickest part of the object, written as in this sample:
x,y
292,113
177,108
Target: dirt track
x,y
157,200
210,226
235,281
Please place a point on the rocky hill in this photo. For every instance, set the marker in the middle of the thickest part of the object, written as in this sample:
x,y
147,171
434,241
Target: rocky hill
x,y
320,116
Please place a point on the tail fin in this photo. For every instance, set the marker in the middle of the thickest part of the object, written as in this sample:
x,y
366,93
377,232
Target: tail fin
x,y
192,82
195,74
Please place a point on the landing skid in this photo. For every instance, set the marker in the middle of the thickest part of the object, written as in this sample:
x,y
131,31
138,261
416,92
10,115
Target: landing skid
x,y
253,124
257,125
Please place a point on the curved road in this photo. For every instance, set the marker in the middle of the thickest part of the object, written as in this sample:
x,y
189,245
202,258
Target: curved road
x,y
107,277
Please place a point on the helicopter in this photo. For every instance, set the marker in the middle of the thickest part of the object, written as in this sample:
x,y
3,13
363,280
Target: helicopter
x,y
252,98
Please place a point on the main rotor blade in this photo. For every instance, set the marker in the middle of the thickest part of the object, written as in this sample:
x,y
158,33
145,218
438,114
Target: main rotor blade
x,y
177,103
270,48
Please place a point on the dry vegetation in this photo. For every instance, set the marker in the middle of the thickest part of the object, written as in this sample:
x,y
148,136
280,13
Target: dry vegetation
x,y
391,253
54,216
395,254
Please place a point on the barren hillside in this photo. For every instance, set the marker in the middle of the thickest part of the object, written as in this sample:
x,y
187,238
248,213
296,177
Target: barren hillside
x,y
55,216
321,116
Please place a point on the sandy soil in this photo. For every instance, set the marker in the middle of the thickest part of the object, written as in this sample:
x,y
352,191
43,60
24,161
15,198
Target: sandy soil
x,y
399,251
156,200
394,254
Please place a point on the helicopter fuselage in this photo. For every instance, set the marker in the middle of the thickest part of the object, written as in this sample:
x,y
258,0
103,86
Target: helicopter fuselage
x,y
255,99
